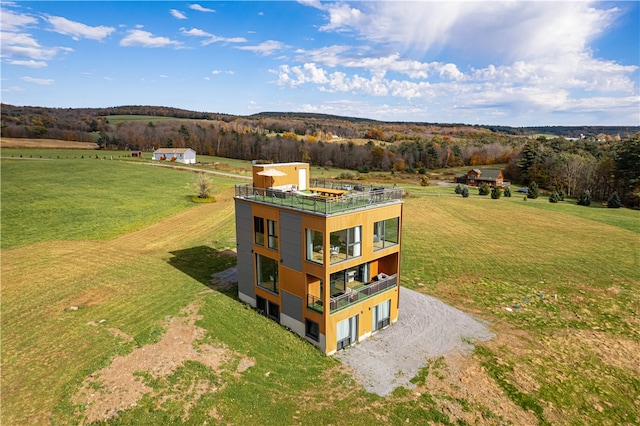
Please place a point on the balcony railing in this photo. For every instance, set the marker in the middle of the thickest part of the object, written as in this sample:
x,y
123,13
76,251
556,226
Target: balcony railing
x,y
354,197
354,295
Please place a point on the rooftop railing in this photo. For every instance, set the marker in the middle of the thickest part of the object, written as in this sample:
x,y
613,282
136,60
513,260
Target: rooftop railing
x,y
354,197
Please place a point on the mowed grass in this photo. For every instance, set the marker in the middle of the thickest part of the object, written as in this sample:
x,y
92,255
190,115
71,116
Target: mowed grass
x,y
569,356
87,199
562,282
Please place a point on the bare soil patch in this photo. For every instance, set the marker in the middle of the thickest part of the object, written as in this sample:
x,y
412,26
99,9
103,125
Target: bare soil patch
x,y
120,385
458,377
45,143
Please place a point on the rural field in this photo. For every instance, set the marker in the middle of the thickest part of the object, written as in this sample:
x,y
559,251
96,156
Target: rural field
x,y
110,313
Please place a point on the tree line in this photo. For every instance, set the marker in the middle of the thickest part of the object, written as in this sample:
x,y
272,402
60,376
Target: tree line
x,y
600,163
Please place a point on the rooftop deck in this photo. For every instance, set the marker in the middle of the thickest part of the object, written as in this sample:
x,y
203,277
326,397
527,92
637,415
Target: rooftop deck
x,y
341,197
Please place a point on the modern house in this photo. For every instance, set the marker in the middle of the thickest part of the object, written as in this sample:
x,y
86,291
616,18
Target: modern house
x,y
320,257
476,177
180,155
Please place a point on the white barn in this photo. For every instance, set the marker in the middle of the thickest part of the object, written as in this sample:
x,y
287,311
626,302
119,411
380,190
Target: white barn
x,y
181,155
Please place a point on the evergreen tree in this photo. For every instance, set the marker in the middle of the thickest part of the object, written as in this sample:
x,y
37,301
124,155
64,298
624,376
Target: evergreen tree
x,y
614,201
496,192
533,190
585,198
465,192
555,197
627,171
484,189
507,192
458,189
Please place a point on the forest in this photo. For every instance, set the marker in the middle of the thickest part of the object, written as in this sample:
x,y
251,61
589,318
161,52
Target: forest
x,y
571,160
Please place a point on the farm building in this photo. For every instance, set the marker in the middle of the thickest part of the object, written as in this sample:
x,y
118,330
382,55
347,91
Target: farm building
x,y
136,153
321,258
476,177
180,155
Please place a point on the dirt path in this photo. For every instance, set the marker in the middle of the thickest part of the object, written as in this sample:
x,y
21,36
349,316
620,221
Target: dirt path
x,y
194,169
426,328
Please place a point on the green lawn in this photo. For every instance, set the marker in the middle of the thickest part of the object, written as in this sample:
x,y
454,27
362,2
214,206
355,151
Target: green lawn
x,y
87,199
124,244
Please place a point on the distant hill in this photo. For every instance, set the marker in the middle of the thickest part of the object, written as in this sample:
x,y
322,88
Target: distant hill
x,y
42,121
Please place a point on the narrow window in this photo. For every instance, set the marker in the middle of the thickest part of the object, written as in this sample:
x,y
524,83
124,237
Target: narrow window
x,y
267,273
312,330
258,229
381,315
315,249
272,229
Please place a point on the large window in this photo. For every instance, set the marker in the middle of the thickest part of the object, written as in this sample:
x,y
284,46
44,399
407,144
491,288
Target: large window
x,y
258,229
381,315
385,233
314,246
267,273
347,332
272,229
348,278
345,244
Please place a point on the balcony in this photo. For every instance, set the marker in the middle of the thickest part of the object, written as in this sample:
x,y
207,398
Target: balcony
x,y
351,197
353,295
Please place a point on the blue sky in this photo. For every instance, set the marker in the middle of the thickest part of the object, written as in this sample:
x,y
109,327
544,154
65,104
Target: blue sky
x,y
518,63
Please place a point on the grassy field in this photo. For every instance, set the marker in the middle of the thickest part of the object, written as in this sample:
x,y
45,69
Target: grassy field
x,y
98,256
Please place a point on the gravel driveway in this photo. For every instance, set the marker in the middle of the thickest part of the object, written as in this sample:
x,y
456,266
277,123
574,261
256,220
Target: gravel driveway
x,y
426,328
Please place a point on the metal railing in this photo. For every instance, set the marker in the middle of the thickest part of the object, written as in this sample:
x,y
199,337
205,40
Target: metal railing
x,y
355,295
352,199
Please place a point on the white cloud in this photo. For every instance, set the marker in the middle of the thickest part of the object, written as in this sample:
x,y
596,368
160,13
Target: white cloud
x,y
40,81
211,38
196,32
142,38
266,48
30,63
18,39
12,89
228,72
11,21
177,14
22,45
200,8
78,30
529,58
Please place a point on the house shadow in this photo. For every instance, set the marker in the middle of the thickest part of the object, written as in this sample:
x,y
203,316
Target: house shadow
x,y
213,268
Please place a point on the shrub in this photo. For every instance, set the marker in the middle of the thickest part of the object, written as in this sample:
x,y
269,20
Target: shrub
x,y
561,195
465,192
422,171
484,189
533,190
203,185
346,176
585,198
496,192
424,180
507,192
458,189
614,201
554,198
